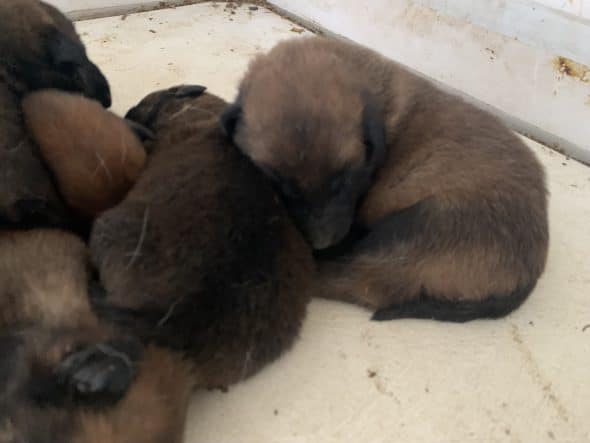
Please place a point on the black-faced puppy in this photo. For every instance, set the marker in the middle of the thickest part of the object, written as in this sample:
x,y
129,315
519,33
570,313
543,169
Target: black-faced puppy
x,y
94,156
417,203
65,376
40,49
201,255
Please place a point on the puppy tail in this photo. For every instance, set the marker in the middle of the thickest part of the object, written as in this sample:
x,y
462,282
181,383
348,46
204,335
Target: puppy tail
x,y
457,311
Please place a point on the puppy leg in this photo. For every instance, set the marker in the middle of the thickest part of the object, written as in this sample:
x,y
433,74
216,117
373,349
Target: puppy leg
x,y
379,268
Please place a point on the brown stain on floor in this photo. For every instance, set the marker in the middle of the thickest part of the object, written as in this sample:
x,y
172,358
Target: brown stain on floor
x,y
535,373
569,68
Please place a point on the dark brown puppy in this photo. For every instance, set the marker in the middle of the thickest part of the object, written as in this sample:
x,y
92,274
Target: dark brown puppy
x,y
59,363
93,154
420,204
201,252
40,49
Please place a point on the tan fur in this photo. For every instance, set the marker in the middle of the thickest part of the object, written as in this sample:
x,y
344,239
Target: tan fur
x,y
93,154
43,275
481,231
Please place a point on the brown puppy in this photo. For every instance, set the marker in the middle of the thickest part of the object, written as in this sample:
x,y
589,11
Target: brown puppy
x,y
60,364
94,155
201,253
420,204
152,411
44,278
40,49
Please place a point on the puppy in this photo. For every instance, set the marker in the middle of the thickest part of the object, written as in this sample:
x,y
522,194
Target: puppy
x,y
94,155
44,284
65,376
417,203
200,255
40,49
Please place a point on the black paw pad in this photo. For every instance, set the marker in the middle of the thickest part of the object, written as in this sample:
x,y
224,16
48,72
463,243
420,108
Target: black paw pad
x,y
101,372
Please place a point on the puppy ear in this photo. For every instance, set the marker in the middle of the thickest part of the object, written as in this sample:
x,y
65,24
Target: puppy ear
x,y
373,129
230,119
185,91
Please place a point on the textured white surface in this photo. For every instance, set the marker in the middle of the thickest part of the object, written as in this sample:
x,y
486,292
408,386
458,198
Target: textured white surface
x,y
521,379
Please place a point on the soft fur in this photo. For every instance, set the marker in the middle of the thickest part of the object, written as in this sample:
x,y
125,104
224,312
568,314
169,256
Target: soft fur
x,y
201,255
93,154
418,204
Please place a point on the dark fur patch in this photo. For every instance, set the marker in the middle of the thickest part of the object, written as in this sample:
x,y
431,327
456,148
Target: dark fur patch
x,y
141,131
457,311
345,247
230,119
373,130
404,225
66,54
10,347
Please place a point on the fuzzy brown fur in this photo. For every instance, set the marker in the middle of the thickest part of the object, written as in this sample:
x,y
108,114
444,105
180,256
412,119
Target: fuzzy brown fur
x,y
422,205
40,49
201,252
47,326
93,154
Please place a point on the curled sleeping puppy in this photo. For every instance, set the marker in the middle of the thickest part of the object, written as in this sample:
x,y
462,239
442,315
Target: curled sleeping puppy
x,y
417,203
66,377
201,255
40,49
94,155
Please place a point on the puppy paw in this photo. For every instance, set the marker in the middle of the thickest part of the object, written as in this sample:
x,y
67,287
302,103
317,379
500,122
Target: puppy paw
x,y
101,372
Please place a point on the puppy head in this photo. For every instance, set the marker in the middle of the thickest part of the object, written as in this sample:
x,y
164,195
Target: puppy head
x,y
307,122
40,48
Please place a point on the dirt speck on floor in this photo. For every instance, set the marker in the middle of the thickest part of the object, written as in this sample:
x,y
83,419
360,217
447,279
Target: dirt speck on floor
x,y
371,373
